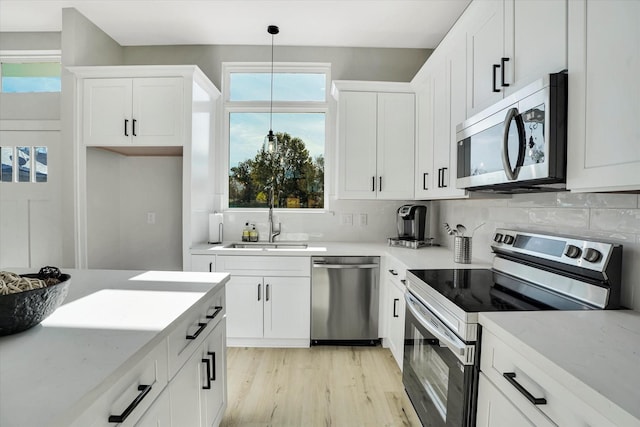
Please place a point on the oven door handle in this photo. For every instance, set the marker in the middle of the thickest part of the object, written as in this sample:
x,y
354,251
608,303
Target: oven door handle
x,y
434,326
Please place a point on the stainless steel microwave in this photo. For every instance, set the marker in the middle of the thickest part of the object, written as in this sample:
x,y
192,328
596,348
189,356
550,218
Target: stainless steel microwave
x,y
518,144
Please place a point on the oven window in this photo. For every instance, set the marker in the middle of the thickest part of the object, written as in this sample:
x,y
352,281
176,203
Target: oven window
x,y
431,370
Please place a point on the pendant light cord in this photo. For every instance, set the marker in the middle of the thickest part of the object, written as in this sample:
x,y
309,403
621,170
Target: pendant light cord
x,y
271,103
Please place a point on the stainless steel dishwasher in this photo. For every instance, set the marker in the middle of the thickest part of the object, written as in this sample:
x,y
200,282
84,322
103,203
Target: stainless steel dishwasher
x,y
344,300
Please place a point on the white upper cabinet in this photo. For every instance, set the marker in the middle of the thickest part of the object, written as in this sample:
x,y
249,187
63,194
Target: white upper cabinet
x,y
512,43
396,145
485,37
357,130
376,137
133,111
538,44
604,96
441,99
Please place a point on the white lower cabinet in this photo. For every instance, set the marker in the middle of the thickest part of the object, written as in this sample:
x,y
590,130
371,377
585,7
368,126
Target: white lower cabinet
x,y
268,300
131,395
495,410
159,415
394,308
515,390
206,263
198,391
269,307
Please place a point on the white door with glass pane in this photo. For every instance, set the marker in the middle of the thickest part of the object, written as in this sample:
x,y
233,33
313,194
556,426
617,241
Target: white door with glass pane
x,y
30,198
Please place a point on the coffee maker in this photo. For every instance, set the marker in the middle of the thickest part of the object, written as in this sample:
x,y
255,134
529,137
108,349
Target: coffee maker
x,y
411,222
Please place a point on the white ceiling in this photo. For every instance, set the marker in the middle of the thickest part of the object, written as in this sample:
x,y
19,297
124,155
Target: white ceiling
x,y
354,23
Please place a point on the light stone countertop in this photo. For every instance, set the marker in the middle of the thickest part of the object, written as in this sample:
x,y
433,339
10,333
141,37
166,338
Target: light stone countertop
x,y
108,322
594,353
424,258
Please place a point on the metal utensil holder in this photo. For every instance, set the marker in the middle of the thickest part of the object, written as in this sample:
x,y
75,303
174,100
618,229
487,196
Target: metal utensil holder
x,y
462,249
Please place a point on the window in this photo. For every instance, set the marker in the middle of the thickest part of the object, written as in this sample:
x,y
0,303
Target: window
x,y
299,122
29,72
23,164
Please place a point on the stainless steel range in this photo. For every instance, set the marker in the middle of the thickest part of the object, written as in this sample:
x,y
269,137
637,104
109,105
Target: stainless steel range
x,y
530,271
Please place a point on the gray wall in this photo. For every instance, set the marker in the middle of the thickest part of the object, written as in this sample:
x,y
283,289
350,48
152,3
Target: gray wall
x,y
30,41
83,43
398,65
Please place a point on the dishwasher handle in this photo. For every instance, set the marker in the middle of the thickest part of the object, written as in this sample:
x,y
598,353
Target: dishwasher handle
x,y
343,266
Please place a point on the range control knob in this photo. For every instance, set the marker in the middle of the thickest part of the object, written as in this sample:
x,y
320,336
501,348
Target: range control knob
x,y
497,238
573,251
508,239
592,255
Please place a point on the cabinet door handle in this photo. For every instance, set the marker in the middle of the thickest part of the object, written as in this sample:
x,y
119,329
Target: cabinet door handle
x,y
201,327
212,355
133,127
395,301
211,265
424,180
207,386
215,313
511,377
444,182
373,183
503,61
380,185
126,124
259,286
495,68
266,298
439,177
144,390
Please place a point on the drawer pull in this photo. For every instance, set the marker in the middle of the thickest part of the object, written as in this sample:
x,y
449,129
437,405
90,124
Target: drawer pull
x,y
208,385
511,377
393,272
144,390
215,313
201,327
212,354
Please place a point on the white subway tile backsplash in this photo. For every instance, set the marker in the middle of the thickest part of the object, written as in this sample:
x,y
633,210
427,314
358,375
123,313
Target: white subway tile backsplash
x,y
567,217
616,220
534,200
596,200
510,215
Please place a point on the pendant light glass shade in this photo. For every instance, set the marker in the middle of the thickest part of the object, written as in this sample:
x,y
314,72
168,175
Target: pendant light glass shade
x,y
270,144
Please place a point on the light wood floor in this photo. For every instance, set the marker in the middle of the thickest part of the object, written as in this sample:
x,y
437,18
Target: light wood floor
x,y
317,386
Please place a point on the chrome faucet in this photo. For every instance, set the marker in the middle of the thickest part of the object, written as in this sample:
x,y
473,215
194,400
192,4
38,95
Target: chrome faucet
x,y
272,233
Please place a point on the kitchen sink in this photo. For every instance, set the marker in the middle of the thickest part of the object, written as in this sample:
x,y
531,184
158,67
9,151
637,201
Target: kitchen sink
x,y
265,245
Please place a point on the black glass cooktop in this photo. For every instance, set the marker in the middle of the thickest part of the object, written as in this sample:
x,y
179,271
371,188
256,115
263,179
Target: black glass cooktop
x,y
478,290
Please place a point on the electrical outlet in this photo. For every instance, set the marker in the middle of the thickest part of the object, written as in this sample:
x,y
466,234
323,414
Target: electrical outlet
x,y
362,218
346,219
151,217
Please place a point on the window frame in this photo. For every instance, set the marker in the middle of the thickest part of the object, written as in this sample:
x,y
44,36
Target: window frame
x,y
278,107
27,56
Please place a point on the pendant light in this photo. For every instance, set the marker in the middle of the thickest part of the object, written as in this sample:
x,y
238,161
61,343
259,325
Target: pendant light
x,y
271,141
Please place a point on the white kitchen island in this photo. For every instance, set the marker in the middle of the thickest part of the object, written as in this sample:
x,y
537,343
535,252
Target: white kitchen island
x,y
115,332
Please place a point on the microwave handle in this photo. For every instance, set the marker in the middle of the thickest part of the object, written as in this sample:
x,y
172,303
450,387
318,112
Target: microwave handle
x,y
513,115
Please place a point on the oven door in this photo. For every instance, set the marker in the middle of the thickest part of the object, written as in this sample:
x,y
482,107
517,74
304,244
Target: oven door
x,y
438,369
